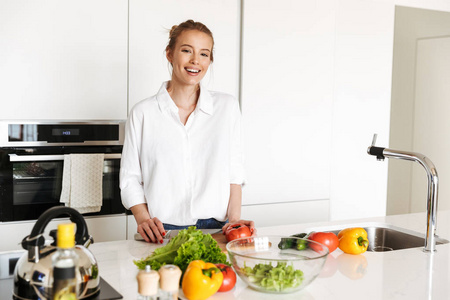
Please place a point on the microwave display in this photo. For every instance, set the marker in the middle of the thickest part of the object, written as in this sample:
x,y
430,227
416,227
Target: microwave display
x,y
59,132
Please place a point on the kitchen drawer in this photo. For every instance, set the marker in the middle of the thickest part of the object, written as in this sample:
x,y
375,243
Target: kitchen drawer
x,y
103,229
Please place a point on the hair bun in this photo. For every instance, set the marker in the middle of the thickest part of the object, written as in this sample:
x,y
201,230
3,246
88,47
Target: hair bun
x,y
174,27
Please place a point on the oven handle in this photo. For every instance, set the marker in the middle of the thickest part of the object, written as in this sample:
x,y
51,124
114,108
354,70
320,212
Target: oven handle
x,y
22,158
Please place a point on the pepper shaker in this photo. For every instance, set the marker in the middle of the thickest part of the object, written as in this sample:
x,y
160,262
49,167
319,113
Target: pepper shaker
x,y
170,282
148,280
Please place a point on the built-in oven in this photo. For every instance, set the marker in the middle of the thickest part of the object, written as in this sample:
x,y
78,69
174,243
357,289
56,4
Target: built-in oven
x,y
32,162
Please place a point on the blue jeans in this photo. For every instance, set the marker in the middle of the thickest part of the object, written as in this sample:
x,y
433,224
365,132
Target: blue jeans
x,y
201,224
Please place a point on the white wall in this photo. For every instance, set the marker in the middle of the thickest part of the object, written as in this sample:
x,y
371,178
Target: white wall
x,y
411,26
362,93
431,120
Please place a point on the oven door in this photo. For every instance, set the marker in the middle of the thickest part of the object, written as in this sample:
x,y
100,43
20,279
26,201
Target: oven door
x,y
36,181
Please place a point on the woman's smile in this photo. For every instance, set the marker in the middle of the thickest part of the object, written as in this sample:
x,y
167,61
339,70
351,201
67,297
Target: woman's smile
x,y
192,72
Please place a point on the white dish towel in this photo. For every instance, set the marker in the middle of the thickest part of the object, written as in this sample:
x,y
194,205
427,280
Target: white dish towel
x,y
82,182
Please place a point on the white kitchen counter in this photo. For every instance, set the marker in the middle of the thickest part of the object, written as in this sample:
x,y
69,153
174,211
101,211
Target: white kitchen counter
x,y
402,274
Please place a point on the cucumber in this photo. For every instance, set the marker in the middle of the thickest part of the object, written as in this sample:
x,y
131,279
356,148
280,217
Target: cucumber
x,y
288,243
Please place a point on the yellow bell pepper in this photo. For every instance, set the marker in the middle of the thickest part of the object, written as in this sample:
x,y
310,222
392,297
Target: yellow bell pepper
x,y
353,240
201,280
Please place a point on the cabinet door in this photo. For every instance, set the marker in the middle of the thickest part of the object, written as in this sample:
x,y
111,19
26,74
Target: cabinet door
x,y
131,227
108,228
63,59
287,86
102,229
287,213
150,22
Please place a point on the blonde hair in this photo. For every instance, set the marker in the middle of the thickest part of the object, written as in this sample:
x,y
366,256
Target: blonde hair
x,y
176,30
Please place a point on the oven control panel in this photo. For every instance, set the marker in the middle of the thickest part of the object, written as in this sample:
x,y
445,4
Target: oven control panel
x,y
45,133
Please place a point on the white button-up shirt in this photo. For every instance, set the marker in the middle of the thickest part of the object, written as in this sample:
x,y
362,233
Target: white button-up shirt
x,y
182,172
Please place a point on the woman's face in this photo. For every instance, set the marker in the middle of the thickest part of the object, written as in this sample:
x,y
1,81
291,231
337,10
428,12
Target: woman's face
x,y
191,57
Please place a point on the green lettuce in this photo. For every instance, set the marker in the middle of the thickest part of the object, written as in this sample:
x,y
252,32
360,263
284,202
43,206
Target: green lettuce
x,y
190,244
271,278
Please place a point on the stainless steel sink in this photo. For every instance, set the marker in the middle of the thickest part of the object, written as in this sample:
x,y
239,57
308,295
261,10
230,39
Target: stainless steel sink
x,y
385,237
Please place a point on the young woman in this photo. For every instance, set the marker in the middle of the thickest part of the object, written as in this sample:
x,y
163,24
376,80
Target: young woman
x,y
182,158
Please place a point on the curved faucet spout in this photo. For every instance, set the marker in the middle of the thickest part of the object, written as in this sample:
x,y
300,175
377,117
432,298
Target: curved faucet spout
x,y
433,182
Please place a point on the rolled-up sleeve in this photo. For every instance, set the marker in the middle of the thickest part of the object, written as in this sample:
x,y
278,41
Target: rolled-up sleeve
x,y
237,173
131,186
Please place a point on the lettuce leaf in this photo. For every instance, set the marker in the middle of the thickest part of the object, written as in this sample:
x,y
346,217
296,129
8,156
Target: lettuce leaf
x,y
279,278
190,244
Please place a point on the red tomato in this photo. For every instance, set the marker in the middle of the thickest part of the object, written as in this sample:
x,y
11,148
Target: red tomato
x,y
229,277
237,231
328,239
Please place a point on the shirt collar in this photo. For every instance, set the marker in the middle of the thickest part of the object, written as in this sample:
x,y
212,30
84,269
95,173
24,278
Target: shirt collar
x,y
205,102
165,102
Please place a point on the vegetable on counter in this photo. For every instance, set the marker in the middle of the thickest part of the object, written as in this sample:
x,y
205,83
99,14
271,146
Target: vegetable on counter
x,y
279,278
189,245
328,239
353,240
288,243
229,278
201,280
237,231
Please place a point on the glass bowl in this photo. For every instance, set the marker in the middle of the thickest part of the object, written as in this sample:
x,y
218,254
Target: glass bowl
x,y
273,264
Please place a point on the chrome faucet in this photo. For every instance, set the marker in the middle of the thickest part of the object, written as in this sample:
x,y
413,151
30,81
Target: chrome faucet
x,y
381,153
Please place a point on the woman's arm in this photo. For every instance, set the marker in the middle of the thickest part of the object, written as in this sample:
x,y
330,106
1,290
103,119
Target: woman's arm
x,y
131,190
151,229
234,209
234,204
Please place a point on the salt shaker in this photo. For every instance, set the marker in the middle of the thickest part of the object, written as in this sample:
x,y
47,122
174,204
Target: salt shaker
x,y
148,280
170,282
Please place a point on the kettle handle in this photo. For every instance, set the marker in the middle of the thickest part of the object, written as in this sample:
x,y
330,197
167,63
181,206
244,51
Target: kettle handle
x,y
35,238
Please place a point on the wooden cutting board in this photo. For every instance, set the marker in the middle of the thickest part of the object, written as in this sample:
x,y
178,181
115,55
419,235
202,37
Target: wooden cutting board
x,y
221,240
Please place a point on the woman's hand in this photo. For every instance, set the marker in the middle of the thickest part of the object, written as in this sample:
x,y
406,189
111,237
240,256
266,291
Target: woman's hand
x,y
234,210
248,223
152,230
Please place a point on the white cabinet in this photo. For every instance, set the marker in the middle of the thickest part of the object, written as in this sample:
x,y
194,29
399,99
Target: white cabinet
x,y
150,22
315,87
287,93
361,107
107,228
63,59
287,213
131,227
102,229
271,214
